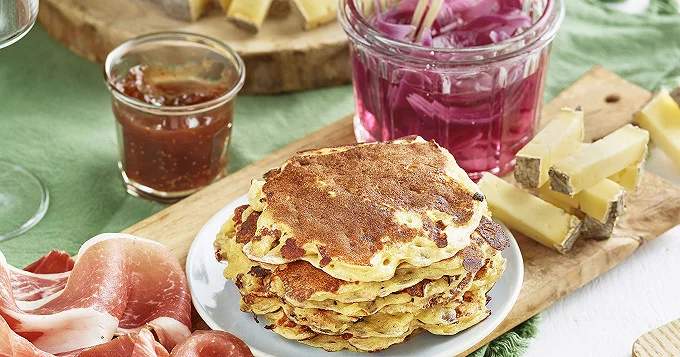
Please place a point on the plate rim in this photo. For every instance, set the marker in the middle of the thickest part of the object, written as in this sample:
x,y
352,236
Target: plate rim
x,y
489,328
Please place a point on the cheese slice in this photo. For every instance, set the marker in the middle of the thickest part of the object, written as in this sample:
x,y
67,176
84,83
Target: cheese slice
x,y
600,201
188,10
558,139
630,177
316,12
246,14
661,117
603,158
528,214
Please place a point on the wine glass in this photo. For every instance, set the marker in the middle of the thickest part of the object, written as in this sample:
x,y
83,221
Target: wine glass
x,y
23,197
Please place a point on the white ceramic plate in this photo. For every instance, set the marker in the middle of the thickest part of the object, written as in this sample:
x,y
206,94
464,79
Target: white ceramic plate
x,y
216,300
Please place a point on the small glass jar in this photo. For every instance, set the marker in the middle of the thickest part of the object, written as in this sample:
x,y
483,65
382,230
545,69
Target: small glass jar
x,y
173,99
481,103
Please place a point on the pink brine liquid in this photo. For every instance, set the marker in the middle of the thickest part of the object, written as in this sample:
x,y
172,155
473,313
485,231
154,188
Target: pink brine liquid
x,y
483,114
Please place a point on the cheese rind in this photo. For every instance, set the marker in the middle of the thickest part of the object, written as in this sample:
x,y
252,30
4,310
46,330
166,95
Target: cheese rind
x,y
316,12
247,14
661,117
599,160
528,214
594,229
558,139
600,201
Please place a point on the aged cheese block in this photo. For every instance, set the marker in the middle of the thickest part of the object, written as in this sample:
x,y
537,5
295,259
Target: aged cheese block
x,y
188,10
316,12
247,14
559,138
599,201
630,177
530,215
661,117
603,158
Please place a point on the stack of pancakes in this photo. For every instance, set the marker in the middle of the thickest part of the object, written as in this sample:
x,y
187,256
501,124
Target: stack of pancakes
x,y
360,247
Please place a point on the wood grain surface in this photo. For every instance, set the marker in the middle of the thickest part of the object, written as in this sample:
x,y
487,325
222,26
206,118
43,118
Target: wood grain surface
x,y
661,342
280,58
548,276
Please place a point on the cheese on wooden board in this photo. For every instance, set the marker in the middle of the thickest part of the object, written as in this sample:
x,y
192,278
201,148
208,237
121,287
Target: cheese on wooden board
x,y
187,10
599,201
661,117
528,214
316,12
559,138
599,160
246,14
630,177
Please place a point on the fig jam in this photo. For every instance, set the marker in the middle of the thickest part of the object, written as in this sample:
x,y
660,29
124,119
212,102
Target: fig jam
x,y
171,150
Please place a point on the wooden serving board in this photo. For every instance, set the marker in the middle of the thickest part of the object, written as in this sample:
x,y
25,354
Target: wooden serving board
x,y
661,342
280,58
609,103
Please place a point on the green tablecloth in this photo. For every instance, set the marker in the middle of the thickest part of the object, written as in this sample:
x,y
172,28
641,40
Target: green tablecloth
x,y
55,118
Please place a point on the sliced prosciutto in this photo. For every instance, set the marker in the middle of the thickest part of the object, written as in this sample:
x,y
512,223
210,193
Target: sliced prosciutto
x,y
119,284
56,261
212,344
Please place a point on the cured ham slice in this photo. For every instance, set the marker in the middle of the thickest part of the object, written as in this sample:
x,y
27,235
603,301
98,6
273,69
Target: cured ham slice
x,y
13,345
140,344
56,261
119,284
212,344
121,287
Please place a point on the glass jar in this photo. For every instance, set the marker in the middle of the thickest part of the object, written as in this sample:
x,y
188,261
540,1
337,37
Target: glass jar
x,y
481,103
173,99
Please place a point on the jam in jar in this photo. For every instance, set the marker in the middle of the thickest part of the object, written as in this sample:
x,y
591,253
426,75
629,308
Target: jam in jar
x,y
173,100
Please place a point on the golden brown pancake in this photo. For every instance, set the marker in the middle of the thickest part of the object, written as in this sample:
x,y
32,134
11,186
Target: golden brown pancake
x,y
390,318
358,212
361,247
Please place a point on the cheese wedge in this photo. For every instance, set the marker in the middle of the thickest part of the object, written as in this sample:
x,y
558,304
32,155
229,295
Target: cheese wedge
x,y
600,201
528,214
558,139
246,14
316,12
567,203
661,117
603,158
188,10
630,177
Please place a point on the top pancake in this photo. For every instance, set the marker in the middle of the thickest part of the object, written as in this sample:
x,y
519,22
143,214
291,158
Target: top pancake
x,y
357,212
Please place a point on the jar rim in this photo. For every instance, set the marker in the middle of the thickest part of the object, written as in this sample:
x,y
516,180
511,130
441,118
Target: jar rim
x,y
548,24
190,38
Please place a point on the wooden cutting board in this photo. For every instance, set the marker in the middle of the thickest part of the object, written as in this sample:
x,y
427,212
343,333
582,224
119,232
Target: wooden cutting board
x,y
280,58
609,102
661,342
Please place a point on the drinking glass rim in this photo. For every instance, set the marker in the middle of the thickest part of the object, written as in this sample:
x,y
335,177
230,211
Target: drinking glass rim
x,y
215,45
548,29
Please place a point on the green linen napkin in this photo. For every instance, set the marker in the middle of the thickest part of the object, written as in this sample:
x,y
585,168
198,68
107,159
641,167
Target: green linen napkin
x,y
55,119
